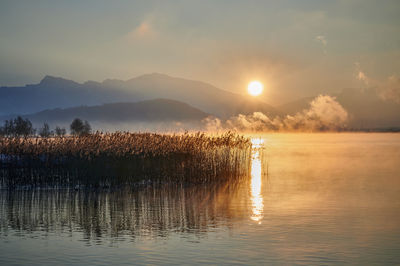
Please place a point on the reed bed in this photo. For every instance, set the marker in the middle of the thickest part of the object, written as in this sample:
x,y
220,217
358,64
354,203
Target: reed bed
x,y
122,158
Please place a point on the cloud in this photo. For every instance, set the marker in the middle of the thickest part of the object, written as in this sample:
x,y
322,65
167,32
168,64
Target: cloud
x,y
362,77
390,89
144,31
387,89
324,114
321,39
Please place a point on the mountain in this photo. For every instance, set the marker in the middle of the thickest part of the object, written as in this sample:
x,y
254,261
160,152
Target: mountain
x,y
365,107
53,92
296,106
158,110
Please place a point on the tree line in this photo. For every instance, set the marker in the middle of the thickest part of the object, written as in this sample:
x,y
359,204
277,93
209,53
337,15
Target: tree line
x,y
20,127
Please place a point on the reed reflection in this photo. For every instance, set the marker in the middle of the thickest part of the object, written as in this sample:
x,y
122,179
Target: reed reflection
x,y
147,212
256,181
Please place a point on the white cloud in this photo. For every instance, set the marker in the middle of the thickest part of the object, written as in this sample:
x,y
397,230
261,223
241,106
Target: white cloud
x,y
322,39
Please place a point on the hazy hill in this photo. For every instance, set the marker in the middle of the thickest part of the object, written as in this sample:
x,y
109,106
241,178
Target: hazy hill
x,y
296,106
158,110
365,108
54,92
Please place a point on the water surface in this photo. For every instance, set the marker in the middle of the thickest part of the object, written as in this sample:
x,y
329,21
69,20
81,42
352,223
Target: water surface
x,y
310,199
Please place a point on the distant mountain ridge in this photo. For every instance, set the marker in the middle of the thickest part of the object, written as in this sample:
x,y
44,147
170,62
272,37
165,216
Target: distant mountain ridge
x,y
158,110
366,109
55,92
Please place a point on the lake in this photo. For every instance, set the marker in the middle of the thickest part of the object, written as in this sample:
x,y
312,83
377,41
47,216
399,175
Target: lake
x,y
310,199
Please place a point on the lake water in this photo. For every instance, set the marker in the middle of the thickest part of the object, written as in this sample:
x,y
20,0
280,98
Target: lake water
x,y
311,199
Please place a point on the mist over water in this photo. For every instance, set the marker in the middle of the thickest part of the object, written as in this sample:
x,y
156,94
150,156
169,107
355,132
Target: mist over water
x,y
324,114
309,198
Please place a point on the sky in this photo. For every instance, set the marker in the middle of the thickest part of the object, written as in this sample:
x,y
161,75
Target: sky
x,y
295,48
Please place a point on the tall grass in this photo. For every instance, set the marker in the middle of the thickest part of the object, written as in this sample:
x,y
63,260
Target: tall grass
x,y
114,159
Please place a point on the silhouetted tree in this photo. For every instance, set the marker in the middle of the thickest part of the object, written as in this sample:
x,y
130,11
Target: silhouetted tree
x,y
23,127
60,132
17,127
45,131
78,127
87,129
8,128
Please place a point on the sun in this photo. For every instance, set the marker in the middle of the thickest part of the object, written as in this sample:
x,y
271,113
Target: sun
x,y
255,88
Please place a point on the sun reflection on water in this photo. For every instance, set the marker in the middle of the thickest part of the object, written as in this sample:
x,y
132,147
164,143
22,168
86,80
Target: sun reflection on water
x,y
256,182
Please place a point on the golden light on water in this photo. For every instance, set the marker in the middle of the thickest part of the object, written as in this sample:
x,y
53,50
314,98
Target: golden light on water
x,y
256,181
255,88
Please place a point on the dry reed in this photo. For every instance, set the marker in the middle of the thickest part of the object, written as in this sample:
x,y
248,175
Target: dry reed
x,y
118,159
